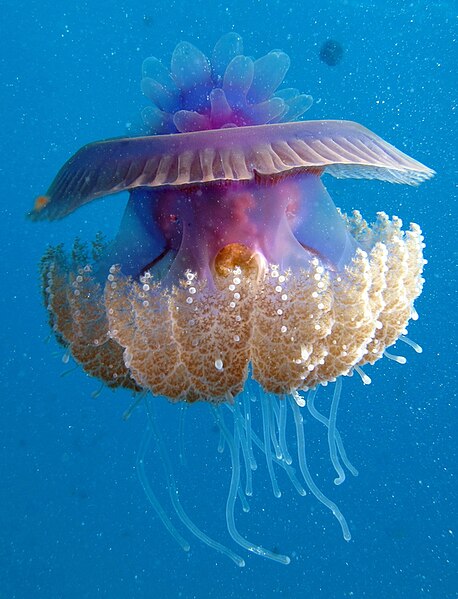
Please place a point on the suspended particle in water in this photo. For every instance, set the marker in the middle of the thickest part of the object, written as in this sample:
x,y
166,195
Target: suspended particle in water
x,y
331,52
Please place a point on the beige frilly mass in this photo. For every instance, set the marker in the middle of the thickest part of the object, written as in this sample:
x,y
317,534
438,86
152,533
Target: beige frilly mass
x,y
196,341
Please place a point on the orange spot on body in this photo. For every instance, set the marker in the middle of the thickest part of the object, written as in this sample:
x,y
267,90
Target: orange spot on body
x,y
237,255
41,202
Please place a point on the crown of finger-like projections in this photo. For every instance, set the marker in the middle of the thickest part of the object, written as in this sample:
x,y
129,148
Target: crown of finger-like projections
x,y
228,90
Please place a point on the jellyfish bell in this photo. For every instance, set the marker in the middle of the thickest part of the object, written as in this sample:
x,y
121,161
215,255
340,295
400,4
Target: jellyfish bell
x,y
232,266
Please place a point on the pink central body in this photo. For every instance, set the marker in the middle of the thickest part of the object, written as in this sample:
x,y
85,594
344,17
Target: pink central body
x,y
286,221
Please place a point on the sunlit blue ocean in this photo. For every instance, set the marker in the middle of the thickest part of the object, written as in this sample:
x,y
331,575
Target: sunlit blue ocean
x,y
74,520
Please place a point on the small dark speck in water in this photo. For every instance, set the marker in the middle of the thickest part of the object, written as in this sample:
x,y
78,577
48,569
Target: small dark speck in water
x,y
331,52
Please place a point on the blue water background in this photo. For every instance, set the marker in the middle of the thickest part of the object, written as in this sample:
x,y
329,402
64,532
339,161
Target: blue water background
x,y
74,521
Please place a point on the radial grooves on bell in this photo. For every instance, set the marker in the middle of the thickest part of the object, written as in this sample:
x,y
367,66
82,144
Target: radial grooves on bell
x,y
324,149
67,188
207,157
285,153
307,154
218,168
184,167
364,152
74,186
340,148
148,172
121,171
134,172
352,153
226,163
394,155
239,162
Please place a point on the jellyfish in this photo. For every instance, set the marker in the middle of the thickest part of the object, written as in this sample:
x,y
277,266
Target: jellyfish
x,y
233,278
